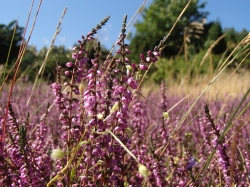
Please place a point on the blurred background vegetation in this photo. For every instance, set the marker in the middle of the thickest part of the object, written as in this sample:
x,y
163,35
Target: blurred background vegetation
x,y
194,48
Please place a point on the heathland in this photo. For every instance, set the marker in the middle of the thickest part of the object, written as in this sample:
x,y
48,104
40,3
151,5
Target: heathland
x,y
170,108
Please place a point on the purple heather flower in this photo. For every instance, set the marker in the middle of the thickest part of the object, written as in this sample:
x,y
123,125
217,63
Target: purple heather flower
x,y
148,59
133,66
127,51
149,53
120,89
191,163
132,83
89,102
90,38
67,73
142,57
154,59
156,53
143,67
74,55
69,64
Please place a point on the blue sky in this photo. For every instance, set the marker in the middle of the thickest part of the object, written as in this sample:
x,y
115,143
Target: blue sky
x,y
83,15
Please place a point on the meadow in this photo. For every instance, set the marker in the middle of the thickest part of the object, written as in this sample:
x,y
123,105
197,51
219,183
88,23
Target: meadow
x,y
104,125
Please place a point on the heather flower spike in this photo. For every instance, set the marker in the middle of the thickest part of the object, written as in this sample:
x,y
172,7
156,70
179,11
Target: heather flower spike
x,y
124,24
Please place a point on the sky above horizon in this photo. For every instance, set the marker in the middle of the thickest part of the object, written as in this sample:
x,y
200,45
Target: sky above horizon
x,y
82,16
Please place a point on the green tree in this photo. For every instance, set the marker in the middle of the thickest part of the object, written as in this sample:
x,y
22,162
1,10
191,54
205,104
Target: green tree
x,y
233,38
6,33
214,31
157,22
57,53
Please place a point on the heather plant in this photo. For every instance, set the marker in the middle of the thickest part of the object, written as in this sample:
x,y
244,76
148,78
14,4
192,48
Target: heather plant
x,y
95,127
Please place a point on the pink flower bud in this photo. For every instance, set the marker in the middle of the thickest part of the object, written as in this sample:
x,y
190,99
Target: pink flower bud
x,y
149,53
127,51
156,53
133,66
143,67
69,64
148,59
67,73
131,82
142,57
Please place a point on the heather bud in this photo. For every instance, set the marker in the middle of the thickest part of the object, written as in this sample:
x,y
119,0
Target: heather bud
x,y
81,88
127,51
131,82
56,154
143,170
143,67
133,66
115,107
138,75
142,56
149,53
129,67
148,59
156,53
165,115
100,116
69,64
67,73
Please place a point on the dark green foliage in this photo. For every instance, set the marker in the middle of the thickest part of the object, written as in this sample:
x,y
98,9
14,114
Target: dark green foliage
x,y
33,60
157,22
57,52
214,31
6,33
233,36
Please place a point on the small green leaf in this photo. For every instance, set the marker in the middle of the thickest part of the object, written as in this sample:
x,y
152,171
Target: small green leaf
x,y
72,174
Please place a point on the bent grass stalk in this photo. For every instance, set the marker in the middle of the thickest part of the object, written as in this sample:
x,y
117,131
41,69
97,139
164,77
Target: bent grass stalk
x,y
41,70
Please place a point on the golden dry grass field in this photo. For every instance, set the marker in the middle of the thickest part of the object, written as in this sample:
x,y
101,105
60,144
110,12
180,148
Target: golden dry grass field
x,y
226,86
